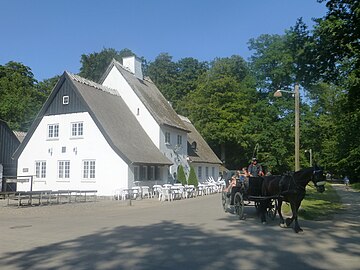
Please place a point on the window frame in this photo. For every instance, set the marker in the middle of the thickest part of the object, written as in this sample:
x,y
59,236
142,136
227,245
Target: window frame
x,y
167,138
53,131
75,128
63,169
40,169
88,169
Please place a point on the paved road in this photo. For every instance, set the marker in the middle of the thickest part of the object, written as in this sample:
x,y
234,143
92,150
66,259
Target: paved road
x,y
186,234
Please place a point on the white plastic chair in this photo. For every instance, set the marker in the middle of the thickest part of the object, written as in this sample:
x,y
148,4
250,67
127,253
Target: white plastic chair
x,y
156,190
125,194
135,192
117,194
165,194
145,191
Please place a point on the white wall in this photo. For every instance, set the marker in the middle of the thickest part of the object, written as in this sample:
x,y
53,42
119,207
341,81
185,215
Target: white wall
x,y
116,81
156,133
203,166
111,170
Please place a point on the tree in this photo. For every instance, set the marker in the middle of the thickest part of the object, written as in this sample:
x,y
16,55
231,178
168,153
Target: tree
x,y
19,98
220,106
193,180
181,175
163,72
94,64
337,54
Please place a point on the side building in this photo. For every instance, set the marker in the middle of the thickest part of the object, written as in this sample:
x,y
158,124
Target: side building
x,y
200,155
85,137
8,144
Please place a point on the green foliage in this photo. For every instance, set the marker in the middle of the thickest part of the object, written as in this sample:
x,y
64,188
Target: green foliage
x,y
181,175
19,98
176,79
94,65
355,186
192,180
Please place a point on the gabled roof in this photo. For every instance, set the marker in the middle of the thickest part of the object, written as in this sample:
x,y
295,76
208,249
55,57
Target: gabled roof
x,y
150,96
203,153
113,118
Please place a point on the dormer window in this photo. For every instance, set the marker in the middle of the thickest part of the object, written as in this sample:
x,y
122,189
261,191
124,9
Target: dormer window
x,y
193,145
65,100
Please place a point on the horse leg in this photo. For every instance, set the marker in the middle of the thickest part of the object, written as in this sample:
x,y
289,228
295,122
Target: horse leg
x,y
282,222
288,221
262,208
296,225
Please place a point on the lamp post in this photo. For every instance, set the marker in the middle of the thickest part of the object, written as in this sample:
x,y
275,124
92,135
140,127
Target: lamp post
x,y
310,153
296,95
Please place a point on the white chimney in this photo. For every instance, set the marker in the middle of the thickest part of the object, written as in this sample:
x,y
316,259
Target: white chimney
x,y
134,65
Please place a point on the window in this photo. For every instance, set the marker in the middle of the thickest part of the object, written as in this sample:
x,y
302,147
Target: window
x,y
136,173
179,140
88,169
63,169
65,100
40,169
53,131
167,137
77,129
206,172
199,172
144,173
213,171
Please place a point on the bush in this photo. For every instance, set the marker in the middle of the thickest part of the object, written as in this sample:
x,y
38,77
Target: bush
x,y
181,175
193,178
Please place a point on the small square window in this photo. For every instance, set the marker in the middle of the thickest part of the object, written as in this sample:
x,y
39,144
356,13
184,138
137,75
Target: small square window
x,y
65,100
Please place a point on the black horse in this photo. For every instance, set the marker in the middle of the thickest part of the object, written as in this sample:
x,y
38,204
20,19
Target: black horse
x,y
290,188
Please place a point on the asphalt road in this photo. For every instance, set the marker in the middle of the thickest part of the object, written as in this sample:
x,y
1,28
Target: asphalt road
x,y
185,234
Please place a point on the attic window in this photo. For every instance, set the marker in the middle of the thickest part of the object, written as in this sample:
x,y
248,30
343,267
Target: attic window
x,y
65,100
193,145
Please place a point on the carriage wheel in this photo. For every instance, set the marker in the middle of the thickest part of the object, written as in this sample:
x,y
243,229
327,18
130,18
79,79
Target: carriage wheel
x,y
239,205
223,201
271,211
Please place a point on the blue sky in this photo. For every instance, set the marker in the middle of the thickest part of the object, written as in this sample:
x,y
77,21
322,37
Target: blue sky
x,y
50,36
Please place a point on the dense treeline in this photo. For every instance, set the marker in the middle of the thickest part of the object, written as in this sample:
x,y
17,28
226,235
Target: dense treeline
x,y
231,101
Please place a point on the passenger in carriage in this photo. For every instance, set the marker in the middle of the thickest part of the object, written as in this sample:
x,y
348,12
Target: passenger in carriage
x,y
232,183
244,176
255,168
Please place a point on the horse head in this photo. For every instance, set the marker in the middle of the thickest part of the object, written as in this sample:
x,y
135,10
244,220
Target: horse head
x,y
319,179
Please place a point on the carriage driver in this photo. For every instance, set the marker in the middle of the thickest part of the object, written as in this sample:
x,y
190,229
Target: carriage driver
x,y
255,169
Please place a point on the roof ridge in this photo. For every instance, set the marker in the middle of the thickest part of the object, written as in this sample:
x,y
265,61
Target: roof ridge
x,y
93,84
145,78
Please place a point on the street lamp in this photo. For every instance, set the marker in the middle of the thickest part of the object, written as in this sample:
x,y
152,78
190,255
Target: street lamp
x,y
296,94
310,153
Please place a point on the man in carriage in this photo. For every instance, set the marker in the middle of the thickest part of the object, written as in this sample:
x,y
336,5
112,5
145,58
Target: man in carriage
x,y
255,168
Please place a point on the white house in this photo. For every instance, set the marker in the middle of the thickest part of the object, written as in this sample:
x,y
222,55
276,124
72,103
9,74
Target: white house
x,y
86,138
154,113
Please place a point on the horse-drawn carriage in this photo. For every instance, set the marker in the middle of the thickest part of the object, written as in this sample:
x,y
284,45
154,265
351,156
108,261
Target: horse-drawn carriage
x,y
268,192
246,192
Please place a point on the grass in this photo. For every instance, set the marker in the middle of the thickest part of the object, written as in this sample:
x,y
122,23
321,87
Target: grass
x,y
317,206
355,186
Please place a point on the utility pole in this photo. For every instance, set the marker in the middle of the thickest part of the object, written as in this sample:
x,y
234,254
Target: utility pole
x,y
297,127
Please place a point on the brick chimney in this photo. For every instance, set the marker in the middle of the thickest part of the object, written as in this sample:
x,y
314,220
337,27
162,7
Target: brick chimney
x,y
133,63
